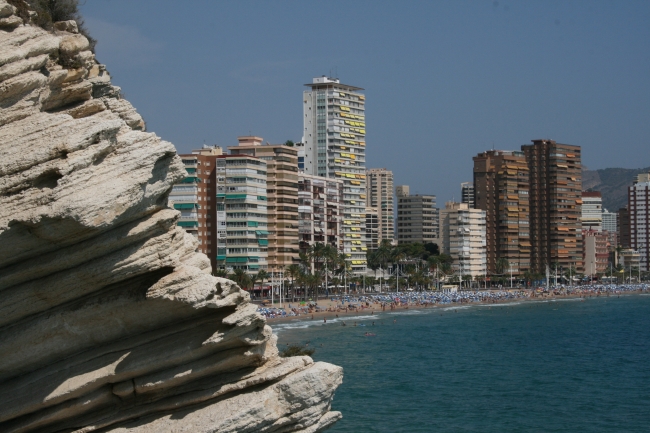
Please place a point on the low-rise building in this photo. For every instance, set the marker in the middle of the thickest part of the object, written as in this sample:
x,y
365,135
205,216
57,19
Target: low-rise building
x,y
595,254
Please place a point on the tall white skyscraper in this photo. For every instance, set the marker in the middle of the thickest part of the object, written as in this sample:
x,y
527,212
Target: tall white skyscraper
x,y
334,137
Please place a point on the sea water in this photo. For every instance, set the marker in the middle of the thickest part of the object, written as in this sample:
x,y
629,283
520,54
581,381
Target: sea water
x,y
554,366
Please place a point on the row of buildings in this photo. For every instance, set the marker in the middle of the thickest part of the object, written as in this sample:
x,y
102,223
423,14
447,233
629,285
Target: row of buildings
x,y
257,206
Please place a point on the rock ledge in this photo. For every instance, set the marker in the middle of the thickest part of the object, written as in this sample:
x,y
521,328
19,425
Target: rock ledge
x,y
109,318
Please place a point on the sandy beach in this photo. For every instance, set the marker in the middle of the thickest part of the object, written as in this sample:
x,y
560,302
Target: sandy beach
x,y
332,309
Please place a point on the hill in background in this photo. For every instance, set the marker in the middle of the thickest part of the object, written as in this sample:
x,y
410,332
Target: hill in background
x,y
612,183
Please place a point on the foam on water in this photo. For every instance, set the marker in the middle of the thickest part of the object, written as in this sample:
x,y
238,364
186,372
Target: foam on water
x,y
507,304
463,307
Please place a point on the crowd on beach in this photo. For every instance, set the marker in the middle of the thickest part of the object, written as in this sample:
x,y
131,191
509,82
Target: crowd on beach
x,y
371,303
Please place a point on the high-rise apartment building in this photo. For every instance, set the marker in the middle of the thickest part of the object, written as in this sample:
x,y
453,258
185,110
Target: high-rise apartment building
x,y
592,211
242,213
624,238
379,187
334,137
467,194
501,189
372,228
282,198
320,213
610,225
638,204
417,217
555,176
195,198
463,238
610,221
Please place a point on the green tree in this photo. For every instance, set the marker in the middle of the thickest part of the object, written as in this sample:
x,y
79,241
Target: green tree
x,y
242,279
502,265
220,273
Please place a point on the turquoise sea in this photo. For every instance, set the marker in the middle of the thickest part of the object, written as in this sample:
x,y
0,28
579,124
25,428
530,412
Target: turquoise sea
x,y
555,366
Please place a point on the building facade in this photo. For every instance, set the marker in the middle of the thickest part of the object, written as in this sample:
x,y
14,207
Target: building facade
x,y
242,213
467,194
595,251
379,196
372,228
320,213
592,211
638,204
334,137
501,189
610,225
282,198
555,178
417,217
195,198
463,238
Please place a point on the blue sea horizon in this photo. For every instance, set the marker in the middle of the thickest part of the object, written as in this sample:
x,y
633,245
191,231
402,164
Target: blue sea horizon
x,y
565,365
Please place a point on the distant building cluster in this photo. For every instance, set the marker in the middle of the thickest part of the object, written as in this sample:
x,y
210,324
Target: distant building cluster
x,y
257,206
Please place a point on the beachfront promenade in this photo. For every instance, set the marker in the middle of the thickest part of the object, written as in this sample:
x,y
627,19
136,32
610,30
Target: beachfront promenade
x,y
389,301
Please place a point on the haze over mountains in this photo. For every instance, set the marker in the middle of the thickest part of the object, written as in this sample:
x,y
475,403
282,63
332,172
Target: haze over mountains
x,y
612,183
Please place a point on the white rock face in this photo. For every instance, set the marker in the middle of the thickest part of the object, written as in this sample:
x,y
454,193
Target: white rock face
x,y
109,318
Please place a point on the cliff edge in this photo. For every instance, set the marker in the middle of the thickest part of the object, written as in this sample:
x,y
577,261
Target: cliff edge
x,y
109,318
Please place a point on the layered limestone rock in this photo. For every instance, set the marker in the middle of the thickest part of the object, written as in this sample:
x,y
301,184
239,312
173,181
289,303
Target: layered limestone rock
x,y
109,318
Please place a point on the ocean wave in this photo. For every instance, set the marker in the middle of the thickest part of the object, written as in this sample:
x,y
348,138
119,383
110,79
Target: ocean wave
x,y
508,304
457,308
566,299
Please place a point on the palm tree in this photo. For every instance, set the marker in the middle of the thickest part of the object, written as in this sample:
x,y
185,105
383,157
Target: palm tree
x,y
502,265
220,273
242,279
293,271
384,253
260,276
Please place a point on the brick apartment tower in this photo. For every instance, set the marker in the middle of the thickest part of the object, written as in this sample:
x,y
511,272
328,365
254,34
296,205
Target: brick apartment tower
x,y
195,197
555,176
282,198
379,186
501,189
638,199
624,238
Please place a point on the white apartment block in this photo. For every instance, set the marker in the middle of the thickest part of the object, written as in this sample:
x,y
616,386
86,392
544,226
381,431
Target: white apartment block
x,y
592,211
610,225
463,238
334,142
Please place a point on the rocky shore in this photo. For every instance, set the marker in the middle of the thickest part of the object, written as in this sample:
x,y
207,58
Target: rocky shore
x,y
109,318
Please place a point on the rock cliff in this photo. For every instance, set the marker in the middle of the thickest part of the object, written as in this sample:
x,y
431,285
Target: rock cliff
x,y
109,318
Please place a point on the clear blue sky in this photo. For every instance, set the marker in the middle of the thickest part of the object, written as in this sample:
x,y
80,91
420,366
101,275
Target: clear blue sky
x,y
444,80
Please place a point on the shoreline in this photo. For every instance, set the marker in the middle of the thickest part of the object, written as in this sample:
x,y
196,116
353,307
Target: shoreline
x,y
322,316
